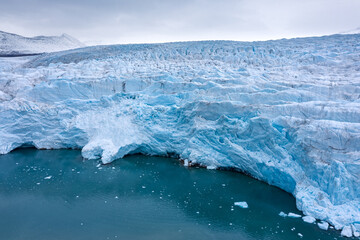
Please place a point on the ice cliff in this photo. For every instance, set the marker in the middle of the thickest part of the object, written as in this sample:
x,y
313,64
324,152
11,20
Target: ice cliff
x,y
286,112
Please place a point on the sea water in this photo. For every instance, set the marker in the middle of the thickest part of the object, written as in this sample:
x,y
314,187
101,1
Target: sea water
x,y
56,194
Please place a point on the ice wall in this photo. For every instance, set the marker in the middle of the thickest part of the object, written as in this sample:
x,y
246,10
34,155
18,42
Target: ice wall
x,y
286,112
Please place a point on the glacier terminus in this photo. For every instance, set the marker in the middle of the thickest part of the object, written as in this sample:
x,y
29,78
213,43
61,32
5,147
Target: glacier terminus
x,y
286,112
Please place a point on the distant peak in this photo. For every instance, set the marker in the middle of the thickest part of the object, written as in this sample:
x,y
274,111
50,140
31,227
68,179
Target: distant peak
x,y
65,35
353,31
13,43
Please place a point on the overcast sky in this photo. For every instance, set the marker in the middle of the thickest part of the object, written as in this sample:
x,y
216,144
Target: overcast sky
x,y
135,21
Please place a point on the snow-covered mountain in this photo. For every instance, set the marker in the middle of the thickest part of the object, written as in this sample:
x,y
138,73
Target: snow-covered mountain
x,y
353,31
286,112
12,44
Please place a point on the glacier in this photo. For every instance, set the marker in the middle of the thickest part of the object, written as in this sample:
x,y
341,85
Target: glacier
x,y
286,112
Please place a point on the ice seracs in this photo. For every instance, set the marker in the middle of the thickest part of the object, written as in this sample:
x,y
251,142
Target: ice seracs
x,y
355,232
350,230
286,112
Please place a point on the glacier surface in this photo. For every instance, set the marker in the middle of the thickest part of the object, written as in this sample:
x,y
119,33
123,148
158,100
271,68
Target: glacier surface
x,y
286,112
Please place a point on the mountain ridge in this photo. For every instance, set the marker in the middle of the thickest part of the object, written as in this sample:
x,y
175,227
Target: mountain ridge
x,y
13,44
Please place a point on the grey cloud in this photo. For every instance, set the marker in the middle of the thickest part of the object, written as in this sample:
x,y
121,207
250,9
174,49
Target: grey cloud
x,y
124,21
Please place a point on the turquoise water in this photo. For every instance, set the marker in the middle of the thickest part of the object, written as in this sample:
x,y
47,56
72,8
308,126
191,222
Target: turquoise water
x,y
138,197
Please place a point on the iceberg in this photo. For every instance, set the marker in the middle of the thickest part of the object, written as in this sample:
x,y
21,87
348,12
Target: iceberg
x,y
241,204
282,214
286,112
309,219
323,225
294,215
346,232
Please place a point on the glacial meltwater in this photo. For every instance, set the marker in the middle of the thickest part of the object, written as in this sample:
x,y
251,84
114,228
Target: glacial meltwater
x,y
56,194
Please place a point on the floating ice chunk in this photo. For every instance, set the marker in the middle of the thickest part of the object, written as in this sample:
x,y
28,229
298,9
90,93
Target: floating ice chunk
x,y
241,204
282,214
323,225
293,215
346,231
211,167
48,177
309,219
